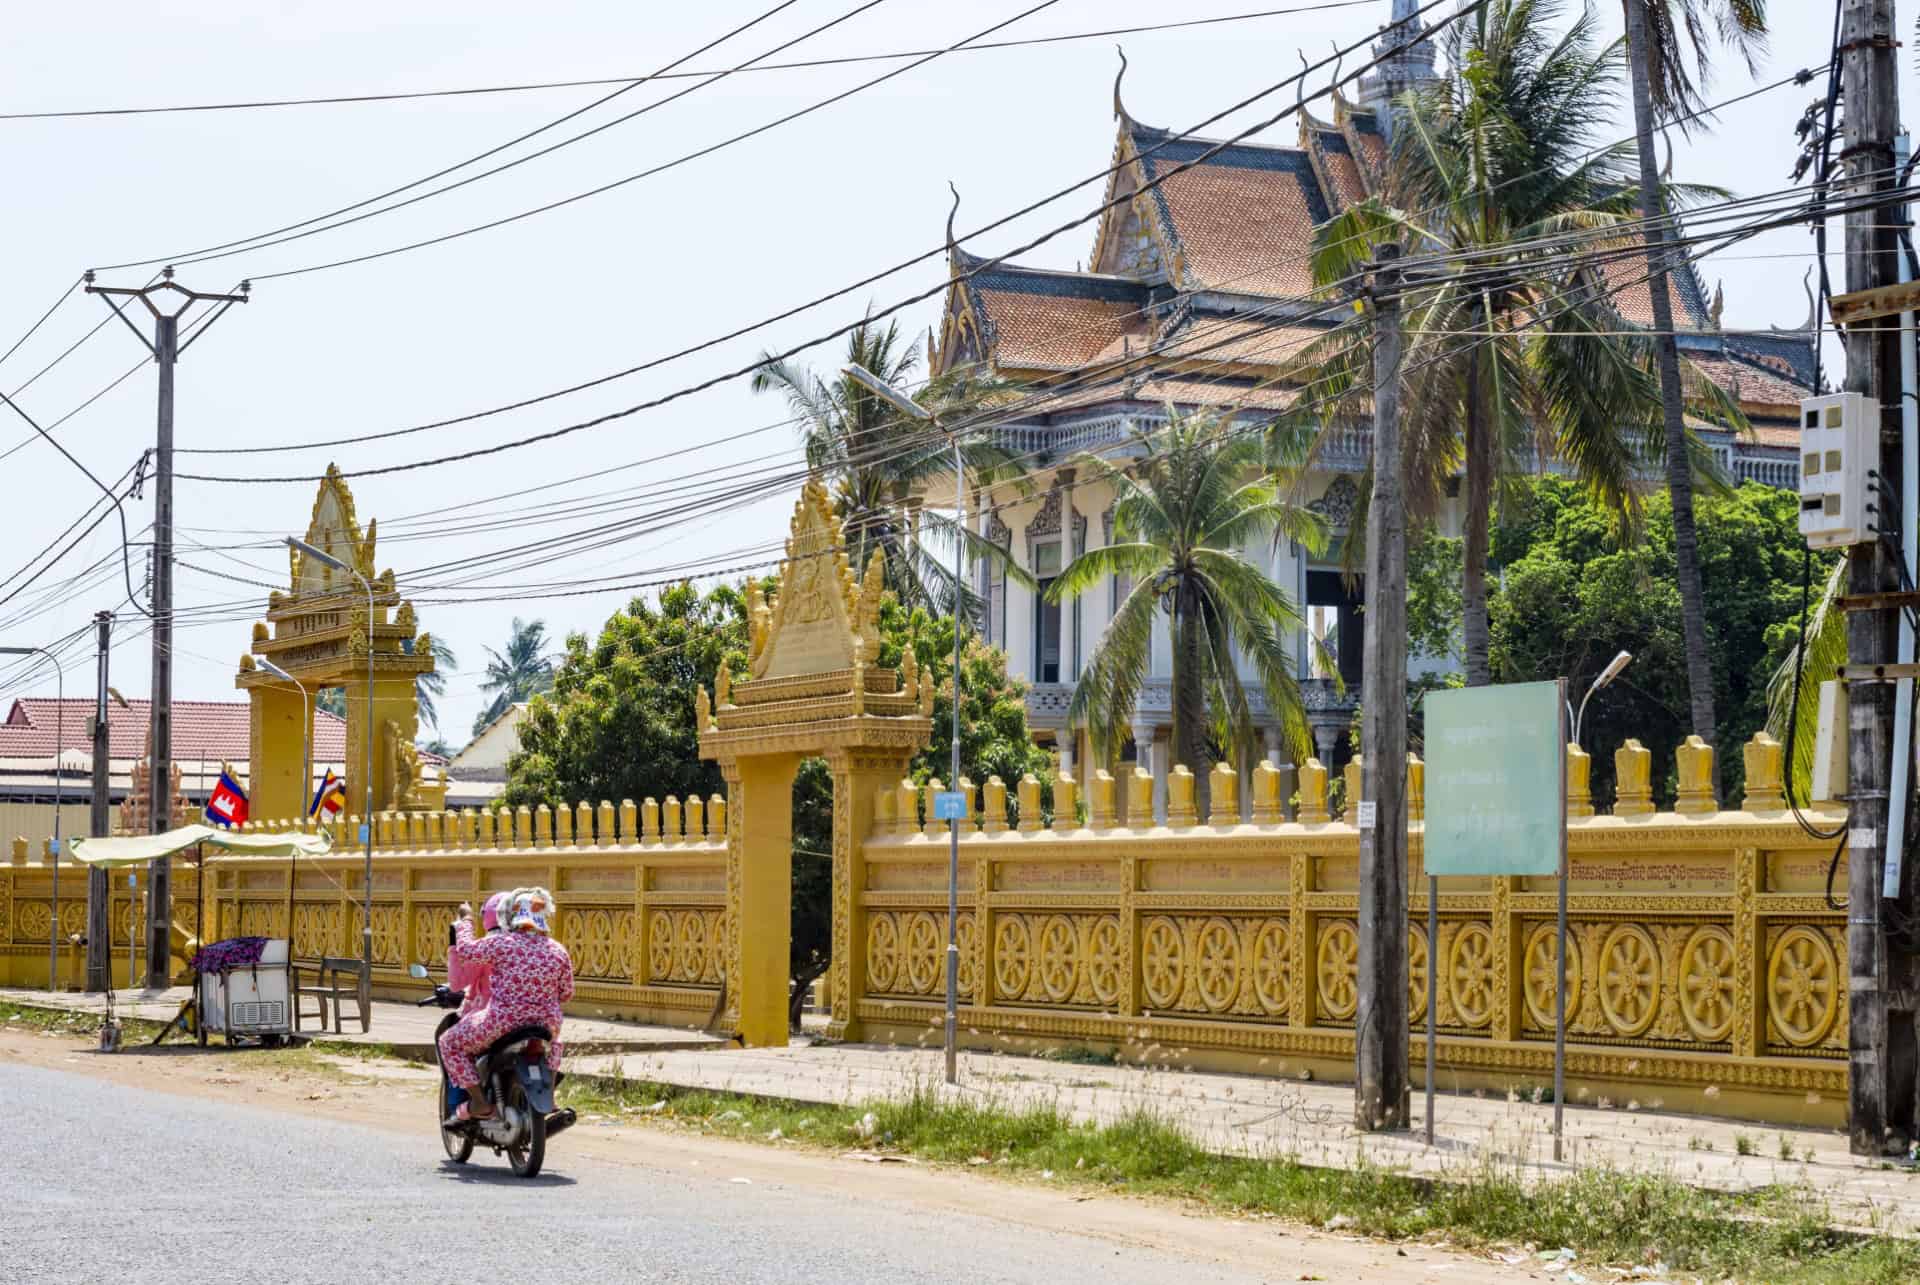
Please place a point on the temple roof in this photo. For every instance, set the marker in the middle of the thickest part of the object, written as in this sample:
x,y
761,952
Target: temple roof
x,y
1177,267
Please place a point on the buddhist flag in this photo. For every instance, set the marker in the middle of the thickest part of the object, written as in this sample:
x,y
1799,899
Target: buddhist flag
x,y
331,798
227,806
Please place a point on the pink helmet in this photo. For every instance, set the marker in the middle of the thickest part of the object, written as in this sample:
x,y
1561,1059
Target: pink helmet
x,y
490,912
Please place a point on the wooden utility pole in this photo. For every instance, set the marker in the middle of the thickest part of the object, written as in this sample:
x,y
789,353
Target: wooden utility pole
x,y
1880,1036
165,300
1381,1089
100,820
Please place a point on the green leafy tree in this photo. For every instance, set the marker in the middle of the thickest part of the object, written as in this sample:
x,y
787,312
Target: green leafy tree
x,y
1669,47
1573,598
523,669
618,723
874,460
1496,156
1181,516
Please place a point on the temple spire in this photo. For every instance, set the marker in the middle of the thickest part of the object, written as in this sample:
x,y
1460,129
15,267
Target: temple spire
x,y
1407,61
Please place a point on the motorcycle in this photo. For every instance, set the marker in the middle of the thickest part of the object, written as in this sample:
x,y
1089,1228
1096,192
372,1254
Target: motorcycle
x,y
513,1078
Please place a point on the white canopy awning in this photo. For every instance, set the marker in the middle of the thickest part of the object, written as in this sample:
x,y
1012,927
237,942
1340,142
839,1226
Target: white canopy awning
x,y
138,849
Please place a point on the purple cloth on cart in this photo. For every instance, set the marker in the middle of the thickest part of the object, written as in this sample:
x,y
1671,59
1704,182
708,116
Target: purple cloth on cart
x,y
235,952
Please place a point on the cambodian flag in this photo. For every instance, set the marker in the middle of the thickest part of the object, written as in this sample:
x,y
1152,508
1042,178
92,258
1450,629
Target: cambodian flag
x,y
228,804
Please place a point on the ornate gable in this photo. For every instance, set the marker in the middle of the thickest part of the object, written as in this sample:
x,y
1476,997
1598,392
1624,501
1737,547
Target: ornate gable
x,y
334,530
811,625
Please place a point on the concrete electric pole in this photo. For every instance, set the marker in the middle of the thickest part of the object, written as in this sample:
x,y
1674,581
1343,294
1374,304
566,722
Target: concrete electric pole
x,y
166,301
1381,1090
1881,1040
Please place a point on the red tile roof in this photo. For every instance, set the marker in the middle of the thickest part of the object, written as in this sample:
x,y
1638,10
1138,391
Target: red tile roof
x,y
212,730
1244,229
1751,384
1058,332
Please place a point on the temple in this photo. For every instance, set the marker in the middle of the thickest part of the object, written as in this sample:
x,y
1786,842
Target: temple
x,y
1209,273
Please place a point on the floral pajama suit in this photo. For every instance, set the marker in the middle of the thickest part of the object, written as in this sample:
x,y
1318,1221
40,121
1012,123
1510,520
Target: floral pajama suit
x,y
532,976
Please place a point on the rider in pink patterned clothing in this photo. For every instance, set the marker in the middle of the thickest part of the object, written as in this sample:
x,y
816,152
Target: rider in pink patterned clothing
x,y
532,977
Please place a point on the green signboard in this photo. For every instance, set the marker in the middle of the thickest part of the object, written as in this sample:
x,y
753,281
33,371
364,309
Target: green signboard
x,y
1496,794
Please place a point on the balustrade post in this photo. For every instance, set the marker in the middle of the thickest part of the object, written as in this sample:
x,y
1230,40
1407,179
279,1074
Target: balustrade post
x,y
1632,775
649,820
563,826
543,826
1313,793
907,804
696,819
1579,782
604,822
1030,804
629,822
1180,809
1140,799
1696,795
717,818
935,828
1765,782
1223,801
1066,803
1100,810
994,809
1266,794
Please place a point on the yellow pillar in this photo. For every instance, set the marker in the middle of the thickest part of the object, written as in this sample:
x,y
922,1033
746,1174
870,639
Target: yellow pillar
x,y
759,894
279,716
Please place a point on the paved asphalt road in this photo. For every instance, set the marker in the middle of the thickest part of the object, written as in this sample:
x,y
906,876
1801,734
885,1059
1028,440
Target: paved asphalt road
x,y
260,1195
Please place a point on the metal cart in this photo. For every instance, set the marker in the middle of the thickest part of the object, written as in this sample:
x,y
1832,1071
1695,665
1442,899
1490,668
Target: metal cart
x,y
250,1001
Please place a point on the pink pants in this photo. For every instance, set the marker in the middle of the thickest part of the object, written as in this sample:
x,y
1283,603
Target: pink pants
x,y
473,1033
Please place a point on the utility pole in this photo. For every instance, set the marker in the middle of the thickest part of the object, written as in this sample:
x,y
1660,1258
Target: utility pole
x,y
100,821
166,301
1380,1080
1880,1036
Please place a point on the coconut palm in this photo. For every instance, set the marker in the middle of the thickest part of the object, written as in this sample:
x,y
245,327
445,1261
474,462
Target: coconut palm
x,y
1793,693
873,461
523,670
426,688
1669,43
1181,517
1519,356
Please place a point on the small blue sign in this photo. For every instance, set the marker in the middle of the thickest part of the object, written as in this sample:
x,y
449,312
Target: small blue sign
x,y
950,805
363,832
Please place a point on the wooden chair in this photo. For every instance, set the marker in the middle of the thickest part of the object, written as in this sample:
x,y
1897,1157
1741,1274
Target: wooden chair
x,y
336,983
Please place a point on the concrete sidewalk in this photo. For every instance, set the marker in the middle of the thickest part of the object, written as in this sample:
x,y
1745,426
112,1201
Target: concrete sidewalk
x,y
1312,1122
408,1030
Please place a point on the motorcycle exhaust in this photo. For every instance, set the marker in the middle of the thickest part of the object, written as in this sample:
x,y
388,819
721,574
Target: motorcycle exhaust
x,y
559,1120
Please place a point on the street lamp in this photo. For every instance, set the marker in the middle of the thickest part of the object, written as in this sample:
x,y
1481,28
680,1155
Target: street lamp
x,y
306,774
326,559
1607,675
59,795
907,406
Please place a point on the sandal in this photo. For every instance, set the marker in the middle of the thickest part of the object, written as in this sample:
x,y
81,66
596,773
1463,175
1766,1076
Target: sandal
x,y
465,1115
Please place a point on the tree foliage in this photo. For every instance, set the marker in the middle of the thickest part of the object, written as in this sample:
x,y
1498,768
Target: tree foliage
x,y
517,673
618,724
1572,598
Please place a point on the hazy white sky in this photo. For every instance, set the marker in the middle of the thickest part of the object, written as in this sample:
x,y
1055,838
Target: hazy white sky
x,y
572,294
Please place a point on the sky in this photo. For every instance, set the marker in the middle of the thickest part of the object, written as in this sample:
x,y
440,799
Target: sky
x,y
603,284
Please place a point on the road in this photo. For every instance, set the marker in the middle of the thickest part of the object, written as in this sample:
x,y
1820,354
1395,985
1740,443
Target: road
x,y
175,1169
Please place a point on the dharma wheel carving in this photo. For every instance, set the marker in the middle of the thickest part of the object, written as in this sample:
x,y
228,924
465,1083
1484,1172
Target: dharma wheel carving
x,y
1059,964
1105,958
1012,957
1273,966
1216,969
1541,965
1339,964
883,952
1708,996
1163,963
1470,980
1802,986
923,953
1629,979
1417,973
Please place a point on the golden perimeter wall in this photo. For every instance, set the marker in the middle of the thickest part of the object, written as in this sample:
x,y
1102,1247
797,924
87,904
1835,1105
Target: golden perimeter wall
x,y
1707,970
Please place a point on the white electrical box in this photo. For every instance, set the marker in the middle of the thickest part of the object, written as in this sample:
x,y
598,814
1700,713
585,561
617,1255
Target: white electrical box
x,y
1829,783
1839,443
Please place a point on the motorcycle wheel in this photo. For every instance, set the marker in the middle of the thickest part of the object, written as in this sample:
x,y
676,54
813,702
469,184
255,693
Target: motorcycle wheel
x,y
526,1160
458,1142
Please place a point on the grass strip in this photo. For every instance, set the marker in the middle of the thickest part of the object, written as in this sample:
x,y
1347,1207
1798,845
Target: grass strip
x,y
1778,1234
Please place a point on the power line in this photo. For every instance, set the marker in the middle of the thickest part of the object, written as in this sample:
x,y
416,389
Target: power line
x,y
846,60
743,371
227,247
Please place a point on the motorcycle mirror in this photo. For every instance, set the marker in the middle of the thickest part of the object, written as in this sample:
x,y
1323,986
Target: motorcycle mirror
x,y
417,971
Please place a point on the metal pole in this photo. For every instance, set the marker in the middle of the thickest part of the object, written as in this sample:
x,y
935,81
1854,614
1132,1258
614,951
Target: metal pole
x,y
366,820
99,891
1560,953
1433,974
953,838
59,804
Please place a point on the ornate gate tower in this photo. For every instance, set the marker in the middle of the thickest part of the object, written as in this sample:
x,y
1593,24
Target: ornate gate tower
x,y
321,635
812,688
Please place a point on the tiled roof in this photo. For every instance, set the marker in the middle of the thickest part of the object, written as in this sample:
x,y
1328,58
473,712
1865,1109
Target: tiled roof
x,y
1237,339
1625,270
1750,383
1057,320
1242,220
1336,161
1790,352
212,730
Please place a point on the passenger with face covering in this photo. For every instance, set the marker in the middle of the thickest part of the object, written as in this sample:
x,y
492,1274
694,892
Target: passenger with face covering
x,y
532,977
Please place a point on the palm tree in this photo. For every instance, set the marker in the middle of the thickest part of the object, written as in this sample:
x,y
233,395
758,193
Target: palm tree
x,y
426,688
1181,516
873,461
523,670
1495,156
1668,47
1793,693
